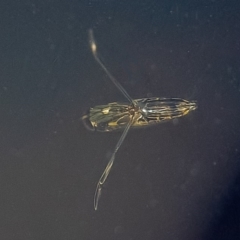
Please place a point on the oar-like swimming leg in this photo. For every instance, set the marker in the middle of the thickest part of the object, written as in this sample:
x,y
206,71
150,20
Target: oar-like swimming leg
x,y
107,170
93,46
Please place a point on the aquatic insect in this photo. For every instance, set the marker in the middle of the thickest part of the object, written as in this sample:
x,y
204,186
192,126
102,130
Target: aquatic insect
x,y
136,113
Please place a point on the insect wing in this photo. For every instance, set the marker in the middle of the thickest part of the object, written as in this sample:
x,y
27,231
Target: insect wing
x,y
156,110
105,118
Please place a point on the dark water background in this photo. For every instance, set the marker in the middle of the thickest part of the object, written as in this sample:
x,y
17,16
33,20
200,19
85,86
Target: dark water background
x,y
172,181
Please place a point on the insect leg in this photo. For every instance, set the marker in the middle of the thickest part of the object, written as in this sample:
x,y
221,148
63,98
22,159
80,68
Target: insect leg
x,y
93,46
108,168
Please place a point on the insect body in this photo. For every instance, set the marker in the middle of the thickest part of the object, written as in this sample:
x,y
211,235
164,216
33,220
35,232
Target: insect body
x,y
148,111
136,113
